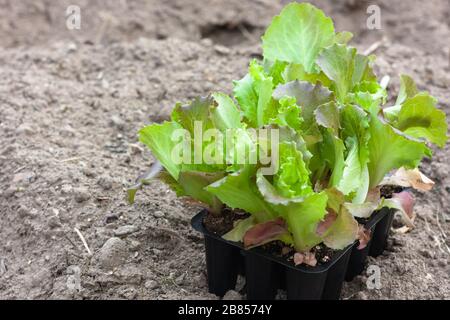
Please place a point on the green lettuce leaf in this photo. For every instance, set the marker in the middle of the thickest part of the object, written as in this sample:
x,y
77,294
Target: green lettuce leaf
x,y
308,97
159,138
390,149
224,114
193,185
416,114
343,37
196,118
327,116
407,90
330,160
247,98
271,194
355,133
419,118
303,218
239,190
293,155
345,67
254,94
198,110
286,113
297,35
369,95
292,178
276,70
239,229
295,71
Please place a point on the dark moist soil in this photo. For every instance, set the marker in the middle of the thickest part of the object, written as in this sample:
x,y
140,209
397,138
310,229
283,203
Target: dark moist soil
x,y
387,191
221,224
279,249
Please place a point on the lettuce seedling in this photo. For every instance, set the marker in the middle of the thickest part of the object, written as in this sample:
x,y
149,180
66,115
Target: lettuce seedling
x,y
336,142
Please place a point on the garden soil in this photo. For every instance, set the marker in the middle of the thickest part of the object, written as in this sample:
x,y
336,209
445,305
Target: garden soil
x,y
71,102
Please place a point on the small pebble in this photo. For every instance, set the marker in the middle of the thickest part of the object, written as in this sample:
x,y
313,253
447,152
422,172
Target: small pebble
x,y
134,245
89,172
82,195
105,182
113,253
125,230
25,129
207,42
72,47
158,214
399,242
151,284
222,49
24,212
117,122
53,222
66,188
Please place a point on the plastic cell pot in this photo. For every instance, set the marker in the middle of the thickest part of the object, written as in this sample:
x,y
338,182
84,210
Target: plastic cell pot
x,y
265,273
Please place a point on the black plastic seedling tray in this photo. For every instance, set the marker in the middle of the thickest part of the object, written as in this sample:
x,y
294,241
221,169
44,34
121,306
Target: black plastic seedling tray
x,y
266,273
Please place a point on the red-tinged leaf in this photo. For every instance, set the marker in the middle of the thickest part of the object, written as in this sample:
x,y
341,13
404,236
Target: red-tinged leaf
x,y
298,258
308,258
264,232
404,203
326,223
406,200
342,232
364,236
